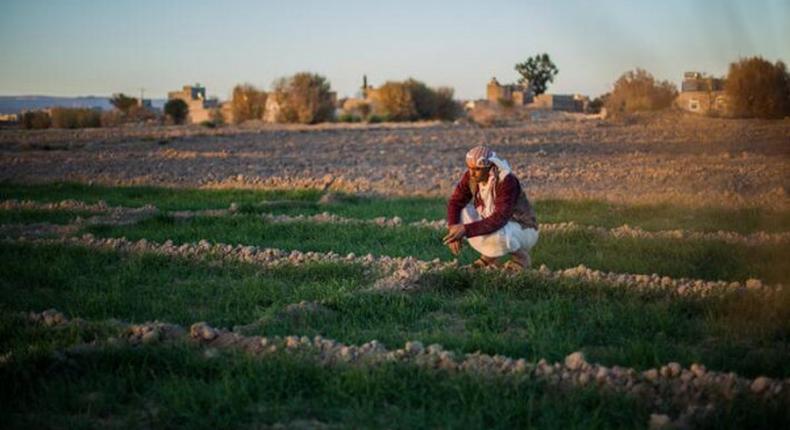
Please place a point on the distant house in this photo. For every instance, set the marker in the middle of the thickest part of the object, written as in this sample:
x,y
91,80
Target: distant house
x,y
517,94
200,108
8,118
562,102
703,94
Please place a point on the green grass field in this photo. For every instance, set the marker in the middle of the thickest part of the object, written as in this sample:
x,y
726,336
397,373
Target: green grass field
x,y
524,316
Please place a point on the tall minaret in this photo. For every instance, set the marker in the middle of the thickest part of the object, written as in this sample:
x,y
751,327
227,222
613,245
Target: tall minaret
x,y
364,86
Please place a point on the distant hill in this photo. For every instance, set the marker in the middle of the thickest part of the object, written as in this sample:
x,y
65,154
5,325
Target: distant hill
x,y
16,104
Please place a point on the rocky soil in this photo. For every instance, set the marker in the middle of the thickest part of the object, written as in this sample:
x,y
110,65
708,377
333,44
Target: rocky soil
x,y
663,158
694,391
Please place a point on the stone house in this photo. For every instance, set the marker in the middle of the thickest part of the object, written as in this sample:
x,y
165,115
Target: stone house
x,y
200,108
562,102
517,94
703,94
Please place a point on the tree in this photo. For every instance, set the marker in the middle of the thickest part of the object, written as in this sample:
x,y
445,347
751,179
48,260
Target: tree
x,y
304,98
424,99
758,88
447,108
248,103
539,71
395,102
413,100
177,110
123,102
638,90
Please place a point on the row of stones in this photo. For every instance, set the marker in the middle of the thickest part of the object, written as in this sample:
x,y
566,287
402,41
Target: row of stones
x,y
695,390
402,273
121,215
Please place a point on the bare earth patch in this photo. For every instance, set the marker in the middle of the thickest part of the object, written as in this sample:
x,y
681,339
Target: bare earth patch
x,y
667,158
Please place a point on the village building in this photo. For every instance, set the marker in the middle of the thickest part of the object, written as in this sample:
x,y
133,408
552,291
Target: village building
x,y
703,94
562,102
200,108
515,94
524,96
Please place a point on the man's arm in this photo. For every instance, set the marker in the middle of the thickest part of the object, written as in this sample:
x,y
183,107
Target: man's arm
x,y
507,195
458,200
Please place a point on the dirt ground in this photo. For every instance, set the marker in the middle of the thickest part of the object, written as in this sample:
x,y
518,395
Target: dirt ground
x,y
673,158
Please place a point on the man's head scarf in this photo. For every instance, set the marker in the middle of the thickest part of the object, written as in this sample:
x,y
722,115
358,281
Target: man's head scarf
x,y
483,156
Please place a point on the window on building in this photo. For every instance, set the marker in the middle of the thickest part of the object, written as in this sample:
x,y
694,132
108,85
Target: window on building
x,y
694,105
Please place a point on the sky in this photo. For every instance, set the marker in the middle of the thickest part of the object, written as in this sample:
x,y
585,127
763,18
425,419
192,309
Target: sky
x,y
97,47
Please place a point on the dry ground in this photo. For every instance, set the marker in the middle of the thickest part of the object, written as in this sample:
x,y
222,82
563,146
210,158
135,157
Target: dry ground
x,y
666,158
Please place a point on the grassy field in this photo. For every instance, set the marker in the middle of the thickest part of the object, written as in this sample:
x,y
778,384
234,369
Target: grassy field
x,y
525,316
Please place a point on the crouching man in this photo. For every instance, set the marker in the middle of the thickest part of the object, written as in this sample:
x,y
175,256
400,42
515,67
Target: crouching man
x,y
491,210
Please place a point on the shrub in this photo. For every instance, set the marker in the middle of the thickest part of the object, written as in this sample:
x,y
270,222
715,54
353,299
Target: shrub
x,y
637,90
347,117
123,103
248,103
35,120
304,98
505,103
177,110
394,100
356,107
413,100
75,117
447,108
757,88
597,103
424,99
375,119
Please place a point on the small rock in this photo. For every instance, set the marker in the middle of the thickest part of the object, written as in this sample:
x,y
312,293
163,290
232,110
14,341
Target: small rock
x,y
658,421
753,283
575,360
760,384
151,337
414,347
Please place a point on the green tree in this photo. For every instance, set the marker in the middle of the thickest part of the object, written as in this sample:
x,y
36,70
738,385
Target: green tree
x,y
123,103
758,88
538,70
177,110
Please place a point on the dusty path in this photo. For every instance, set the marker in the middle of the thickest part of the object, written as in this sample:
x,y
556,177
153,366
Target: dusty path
x,y
668,158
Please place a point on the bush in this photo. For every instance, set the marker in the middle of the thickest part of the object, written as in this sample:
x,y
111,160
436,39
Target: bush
x,y
177,110
413,100
447,108
638,90
248,103
35,120
75,117
394,100
505,103
758,88
304,98
597,103
347,117
123,103
375,119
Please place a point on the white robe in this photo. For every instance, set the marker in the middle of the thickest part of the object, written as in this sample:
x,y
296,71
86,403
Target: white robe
x,y
508,239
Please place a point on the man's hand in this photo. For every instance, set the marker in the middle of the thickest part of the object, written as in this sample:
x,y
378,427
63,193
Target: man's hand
x,y
455,233
455,247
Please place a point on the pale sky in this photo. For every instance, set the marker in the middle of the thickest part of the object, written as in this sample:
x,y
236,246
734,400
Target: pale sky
x,y
97,47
